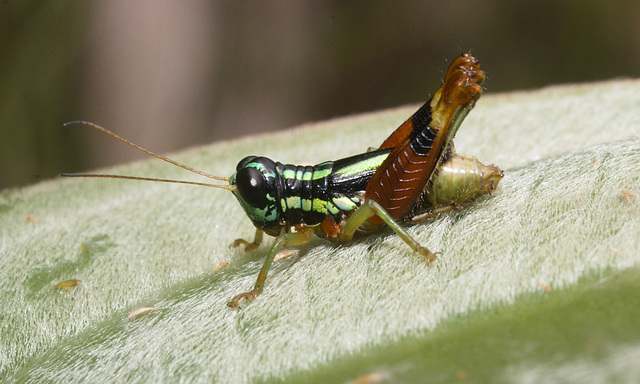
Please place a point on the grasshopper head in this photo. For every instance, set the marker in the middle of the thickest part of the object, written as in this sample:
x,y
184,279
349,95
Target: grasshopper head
x,y
256,188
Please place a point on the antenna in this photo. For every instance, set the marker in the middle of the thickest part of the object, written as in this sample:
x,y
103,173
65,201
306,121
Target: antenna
x,y
168,160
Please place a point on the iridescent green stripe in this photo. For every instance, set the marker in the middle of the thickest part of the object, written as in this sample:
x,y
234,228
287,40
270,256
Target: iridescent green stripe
x,y
370,164
322,170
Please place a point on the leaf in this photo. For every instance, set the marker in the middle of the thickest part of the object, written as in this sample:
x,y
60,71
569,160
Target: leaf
x,y
538,282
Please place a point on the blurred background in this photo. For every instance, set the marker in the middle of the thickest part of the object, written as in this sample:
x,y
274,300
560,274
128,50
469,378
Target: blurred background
x,y
169,74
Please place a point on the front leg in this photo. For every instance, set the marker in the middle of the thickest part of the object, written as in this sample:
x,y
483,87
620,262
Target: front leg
x,y
257,239
285,240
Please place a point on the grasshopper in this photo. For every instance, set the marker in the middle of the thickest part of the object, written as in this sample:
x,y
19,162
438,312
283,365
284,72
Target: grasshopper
x,y
414,175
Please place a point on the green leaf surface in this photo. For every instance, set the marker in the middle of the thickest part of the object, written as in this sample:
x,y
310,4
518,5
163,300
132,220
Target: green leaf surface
x,y
537,283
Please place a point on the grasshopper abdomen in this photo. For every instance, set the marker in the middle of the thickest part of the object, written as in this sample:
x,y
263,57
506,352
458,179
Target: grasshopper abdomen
x,y
459,179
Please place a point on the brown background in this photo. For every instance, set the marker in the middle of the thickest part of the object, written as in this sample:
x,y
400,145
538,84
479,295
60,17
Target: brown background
x,y
168,75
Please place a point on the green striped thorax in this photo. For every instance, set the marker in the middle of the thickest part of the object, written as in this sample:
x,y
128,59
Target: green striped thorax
x,y
276,195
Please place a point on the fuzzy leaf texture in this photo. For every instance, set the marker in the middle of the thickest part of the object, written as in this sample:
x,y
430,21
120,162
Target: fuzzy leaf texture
x,y
539,282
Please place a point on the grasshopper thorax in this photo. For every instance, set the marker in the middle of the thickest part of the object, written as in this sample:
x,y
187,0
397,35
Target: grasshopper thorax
x,y
257,189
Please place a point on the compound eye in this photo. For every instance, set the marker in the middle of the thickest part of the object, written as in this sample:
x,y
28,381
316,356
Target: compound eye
x,y
252,187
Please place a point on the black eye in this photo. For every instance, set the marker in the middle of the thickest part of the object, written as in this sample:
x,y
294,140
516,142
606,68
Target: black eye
x,y
252,187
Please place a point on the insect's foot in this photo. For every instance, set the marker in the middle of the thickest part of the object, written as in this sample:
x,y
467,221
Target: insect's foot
x,y
428,255
248,247
248,296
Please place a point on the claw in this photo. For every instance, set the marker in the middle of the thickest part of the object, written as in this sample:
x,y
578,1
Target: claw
x,y
248,296
248,247
427,254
